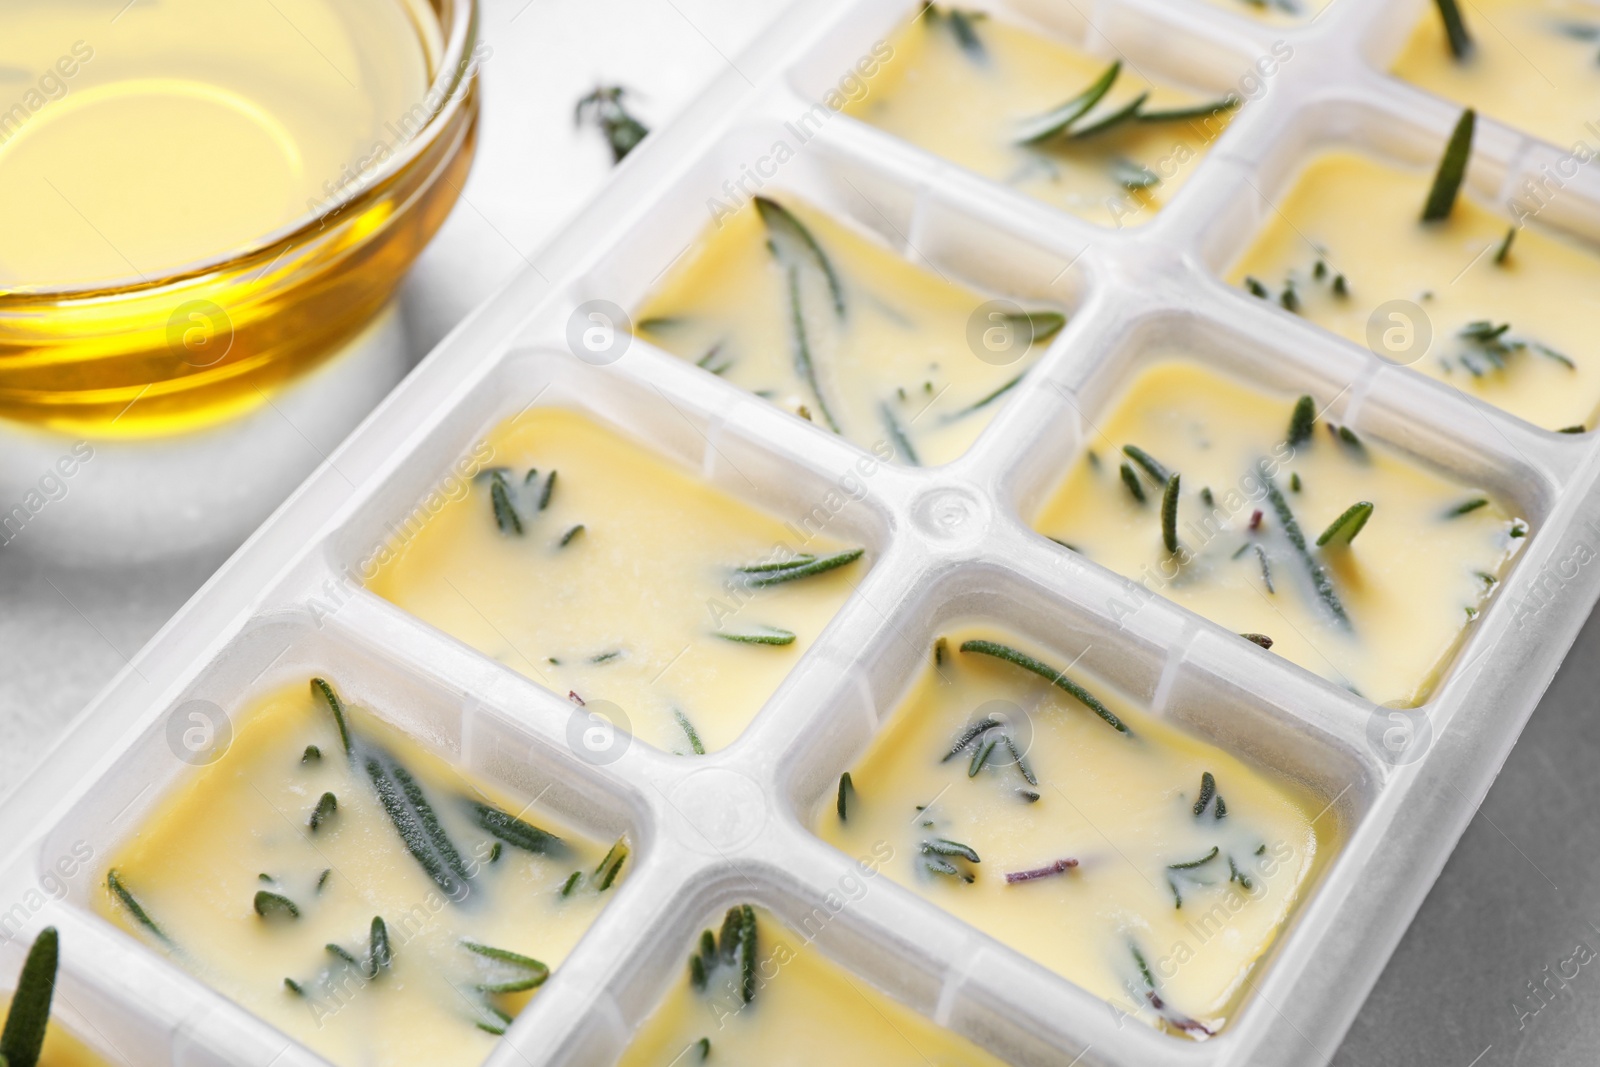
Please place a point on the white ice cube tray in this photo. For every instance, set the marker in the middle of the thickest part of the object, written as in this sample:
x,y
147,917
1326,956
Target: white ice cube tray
x,y
943,545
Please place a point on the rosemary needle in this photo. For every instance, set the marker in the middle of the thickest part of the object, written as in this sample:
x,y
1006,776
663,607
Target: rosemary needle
x,y
326,807
800,567
1056,678
548,491
1208,789
846,789
312,754
1055,121
268,904
1128,112
611,865
1452,166
1131,480
512,830
129,901
897,435
418,826
787,235
318,685
1169,514
1466,507
689,731
1455,28
761,635
1189,865
1291,528
1350,522
568,537
23,1038
982,402
533,971
804,366
1503,252
1157,471
1302,421
505,515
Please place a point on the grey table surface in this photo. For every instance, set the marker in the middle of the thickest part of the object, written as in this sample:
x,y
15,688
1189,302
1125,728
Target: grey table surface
x,y
1477,981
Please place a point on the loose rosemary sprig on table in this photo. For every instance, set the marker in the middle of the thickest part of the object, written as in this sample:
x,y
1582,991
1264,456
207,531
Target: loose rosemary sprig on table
x,y
1056,678
1452,168
29,1015
604,109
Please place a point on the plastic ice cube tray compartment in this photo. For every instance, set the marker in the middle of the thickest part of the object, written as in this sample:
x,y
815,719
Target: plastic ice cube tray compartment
x,y
943,544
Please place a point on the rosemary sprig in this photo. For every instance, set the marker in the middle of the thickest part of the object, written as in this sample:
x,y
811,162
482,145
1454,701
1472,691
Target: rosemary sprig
x,y
611,865
1455,28
1169,514
1060,866
29,1017
800,567
1157,471
514,831
128,900
1056,678
1452,166
1131,480
897,435
1319,574
418,826
761,635
969,735
847,789
1350,522
603,108
791,242
531,972
269,904
1054,122
318,685
804,365
326,807
1302,421
689,731
505,514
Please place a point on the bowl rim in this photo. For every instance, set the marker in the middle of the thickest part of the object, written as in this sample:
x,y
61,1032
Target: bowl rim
x,y
452,80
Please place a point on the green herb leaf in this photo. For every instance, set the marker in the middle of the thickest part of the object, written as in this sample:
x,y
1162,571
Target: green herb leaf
x,y
1056,678
804,365
567,538
847,789
532,972
792,243
23,1038
1128,112
1343,530
1194,111
127,899
326,807
1054,122
513,831
1452,166
1133,176
269,904
1455,28
1169,514
1158,472
1319,574
320,686
1208,789
1131,480
689,731
380,956
761,635
611,865
418,826
1467,507
603,108
897,435
1503,252
1189,865
1302,421
505,514
984,401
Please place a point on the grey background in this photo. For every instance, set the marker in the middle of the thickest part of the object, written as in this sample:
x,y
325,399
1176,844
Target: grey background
x,y
1517,896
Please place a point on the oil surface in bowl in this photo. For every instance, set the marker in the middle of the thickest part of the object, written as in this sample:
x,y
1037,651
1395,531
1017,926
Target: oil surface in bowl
x,y
791,305
976,90
249,876
1354,564
801,1009
187,129
599,571
1147,867
1345,248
